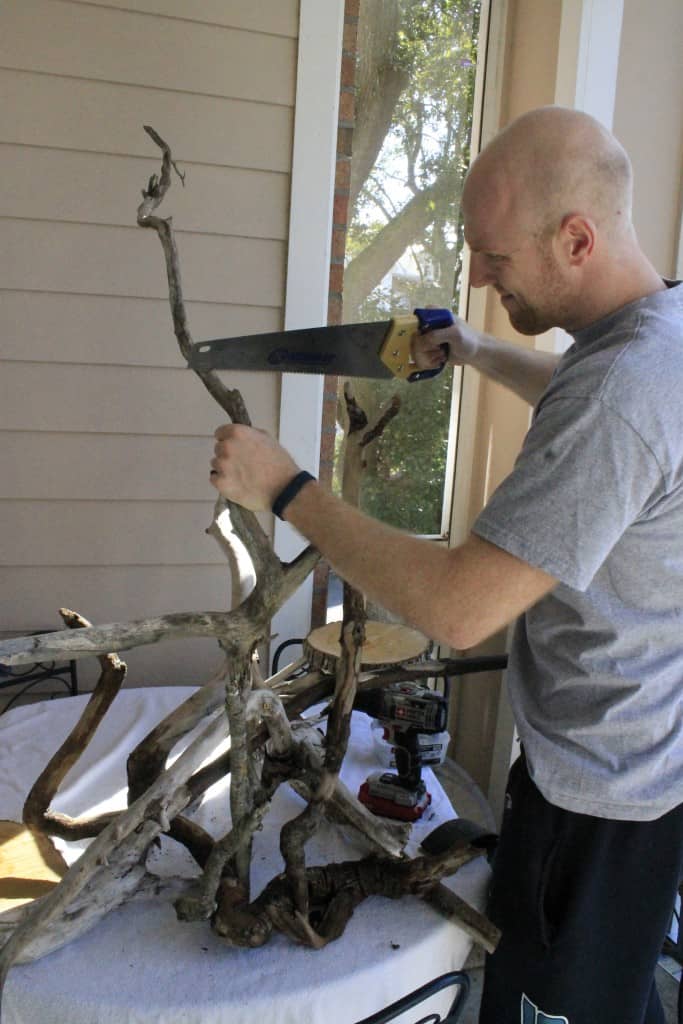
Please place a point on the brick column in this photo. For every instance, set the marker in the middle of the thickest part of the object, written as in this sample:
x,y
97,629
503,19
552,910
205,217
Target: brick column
x,y
347,100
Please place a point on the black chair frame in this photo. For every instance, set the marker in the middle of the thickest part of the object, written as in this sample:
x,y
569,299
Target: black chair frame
x,y
407,1002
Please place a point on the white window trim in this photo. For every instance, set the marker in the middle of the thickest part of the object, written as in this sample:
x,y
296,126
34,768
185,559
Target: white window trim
x,y
321,27
485,119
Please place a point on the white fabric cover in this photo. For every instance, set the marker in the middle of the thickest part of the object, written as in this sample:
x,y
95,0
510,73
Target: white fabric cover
x,y
142,966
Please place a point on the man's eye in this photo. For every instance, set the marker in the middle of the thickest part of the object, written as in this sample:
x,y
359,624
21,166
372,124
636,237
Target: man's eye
x,y
495,257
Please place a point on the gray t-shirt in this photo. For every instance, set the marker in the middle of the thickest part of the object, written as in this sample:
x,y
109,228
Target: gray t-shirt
x,y
596,500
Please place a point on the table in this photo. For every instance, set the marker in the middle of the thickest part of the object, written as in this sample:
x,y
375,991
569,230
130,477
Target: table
x,y
141,966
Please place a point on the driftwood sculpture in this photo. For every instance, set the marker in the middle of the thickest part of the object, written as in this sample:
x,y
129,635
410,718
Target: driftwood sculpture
x,y
270,744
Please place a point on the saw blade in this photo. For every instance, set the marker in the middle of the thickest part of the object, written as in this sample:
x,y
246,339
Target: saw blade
x,y
347,350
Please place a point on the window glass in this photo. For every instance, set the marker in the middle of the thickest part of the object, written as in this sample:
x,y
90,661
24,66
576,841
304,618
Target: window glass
x,y
414,98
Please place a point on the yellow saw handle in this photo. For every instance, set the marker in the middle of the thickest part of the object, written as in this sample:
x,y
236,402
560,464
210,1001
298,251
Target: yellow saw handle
x,y
395,351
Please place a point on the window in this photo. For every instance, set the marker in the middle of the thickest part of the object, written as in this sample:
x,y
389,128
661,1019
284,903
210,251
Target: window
x,y
414,100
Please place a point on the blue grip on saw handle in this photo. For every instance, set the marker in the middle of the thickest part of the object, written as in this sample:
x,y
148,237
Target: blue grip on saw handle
x,y
431,320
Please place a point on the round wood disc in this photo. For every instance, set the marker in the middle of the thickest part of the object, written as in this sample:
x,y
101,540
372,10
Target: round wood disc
x,y
29,865
386,643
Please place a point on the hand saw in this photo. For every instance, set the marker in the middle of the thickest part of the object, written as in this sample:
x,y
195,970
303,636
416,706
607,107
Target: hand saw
x,y
380,350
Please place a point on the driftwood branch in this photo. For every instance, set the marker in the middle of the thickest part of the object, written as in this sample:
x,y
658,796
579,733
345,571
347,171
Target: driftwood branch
x,y
121,636
359,435
237,690
333,893
269,745
244,523
36,808
146,763
453,907
144,820
229,400
83,915
295,834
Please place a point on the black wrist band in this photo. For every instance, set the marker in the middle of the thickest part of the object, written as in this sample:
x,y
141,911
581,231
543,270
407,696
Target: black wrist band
x,y
290,492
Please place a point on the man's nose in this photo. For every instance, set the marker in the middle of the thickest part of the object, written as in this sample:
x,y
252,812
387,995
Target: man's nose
x,y
479,272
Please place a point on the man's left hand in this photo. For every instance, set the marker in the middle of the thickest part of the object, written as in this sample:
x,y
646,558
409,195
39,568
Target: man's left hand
x,y
249,467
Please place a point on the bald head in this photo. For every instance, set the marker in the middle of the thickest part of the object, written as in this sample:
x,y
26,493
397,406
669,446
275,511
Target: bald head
x,y
554,161
547,217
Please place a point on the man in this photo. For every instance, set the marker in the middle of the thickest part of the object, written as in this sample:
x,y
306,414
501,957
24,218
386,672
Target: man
x,y
582,544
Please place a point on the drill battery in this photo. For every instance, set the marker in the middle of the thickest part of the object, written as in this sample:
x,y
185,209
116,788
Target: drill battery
x,y
410,715
383,794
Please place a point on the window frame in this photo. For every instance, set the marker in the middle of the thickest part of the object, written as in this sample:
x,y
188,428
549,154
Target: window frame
x,y
316,114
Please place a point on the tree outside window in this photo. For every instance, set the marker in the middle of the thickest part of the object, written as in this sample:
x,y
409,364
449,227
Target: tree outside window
x,y
414,100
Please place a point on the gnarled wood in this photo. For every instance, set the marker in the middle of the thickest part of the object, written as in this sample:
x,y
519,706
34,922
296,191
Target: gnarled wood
x,y
311,905
118,847
333,893
36,807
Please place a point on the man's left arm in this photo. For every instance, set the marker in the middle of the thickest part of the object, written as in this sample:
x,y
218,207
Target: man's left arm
x,y
456,596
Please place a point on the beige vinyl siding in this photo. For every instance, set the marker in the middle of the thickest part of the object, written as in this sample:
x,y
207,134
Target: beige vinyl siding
x,y
104,435
268,16
68,37
62,257
258,207
65,113
648,120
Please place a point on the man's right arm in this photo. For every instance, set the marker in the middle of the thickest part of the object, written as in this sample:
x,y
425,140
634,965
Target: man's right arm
x,y
522,370
458,596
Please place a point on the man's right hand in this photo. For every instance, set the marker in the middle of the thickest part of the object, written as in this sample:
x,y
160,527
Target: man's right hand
x,y
461,339
524,370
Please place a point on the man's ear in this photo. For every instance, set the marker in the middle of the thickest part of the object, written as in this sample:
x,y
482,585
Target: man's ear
x,y
576,238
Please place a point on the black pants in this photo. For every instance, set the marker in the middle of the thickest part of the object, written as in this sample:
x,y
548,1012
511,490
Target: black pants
x,y
584,905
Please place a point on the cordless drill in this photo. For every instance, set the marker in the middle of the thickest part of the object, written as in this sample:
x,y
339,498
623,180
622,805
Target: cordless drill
x,y
409,713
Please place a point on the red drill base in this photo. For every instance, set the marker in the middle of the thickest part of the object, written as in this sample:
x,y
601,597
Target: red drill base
x,y
386,808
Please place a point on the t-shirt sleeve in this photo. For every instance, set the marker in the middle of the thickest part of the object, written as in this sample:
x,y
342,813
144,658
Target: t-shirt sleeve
x,y
583,476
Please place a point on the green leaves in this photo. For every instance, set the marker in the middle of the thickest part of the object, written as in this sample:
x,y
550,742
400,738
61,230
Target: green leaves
x,y
404,247
404,481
